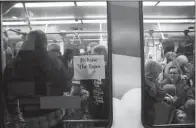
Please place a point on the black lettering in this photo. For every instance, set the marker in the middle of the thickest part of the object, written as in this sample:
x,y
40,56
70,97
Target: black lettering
x,y
91,60
82,60
82,66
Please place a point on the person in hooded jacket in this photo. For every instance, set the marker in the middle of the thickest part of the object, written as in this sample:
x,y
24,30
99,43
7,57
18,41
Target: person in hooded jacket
x,y
35,64
153,92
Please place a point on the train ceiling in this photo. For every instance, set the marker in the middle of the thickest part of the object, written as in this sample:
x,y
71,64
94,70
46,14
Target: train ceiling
x,y
92,17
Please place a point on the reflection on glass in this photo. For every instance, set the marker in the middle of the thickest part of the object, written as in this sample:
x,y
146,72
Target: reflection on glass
x,y
51,50
169,81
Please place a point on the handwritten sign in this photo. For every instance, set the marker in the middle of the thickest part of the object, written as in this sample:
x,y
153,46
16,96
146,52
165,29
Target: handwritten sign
x,y
89,67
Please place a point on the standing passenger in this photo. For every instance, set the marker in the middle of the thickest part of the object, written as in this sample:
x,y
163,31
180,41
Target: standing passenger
x,y
153,93
98,90
35,65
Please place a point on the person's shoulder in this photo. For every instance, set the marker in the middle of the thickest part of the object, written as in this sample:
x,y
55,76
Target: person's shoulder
x,y
53,58
187,87
51,55
164,81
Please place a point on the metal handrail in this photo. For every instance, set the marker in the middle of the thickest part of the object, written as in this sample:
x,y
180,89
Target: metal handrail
x,y
174,125
84,121
147,31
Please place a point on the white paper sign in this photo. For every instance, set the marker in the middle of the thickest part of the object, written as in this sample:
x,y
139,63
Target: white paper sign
x,y
89,67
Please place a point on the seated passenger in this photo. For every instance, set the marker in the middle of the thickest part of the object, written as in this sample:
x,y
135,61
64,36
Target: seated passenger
x,y
183,91
186,114
41,68
153,93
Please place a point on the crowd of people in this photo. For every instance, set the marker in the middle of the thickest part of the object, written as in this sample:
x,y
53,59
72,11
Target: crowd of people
x,y
33,63
171,81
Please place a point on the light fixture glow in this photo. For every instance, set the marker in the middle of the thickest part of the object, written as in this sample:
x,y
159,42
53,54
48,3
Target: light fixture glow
x,y
44,4
90,39
149,3
170,21
15,23
14,17
91,3
176,3
163,17
55,22
43,22
87,34
49,18
94,21
95,16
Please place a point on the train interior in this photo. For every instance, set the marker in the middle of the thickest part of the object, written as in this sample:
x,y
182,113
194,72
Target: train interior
x,y
73,25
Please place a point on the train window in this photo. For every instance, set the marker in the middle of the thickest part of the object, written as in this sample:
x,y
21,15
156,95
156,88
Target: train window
x,y
168,71
55,64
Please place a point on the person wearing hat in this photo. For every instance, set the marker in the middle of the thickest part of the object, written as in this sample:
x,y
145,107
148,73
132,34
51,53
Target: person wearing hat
x,y
186,114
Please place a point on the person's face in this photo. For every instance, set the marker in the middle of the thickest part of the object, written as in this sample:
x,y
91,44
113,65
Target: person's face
x,y
176,43
173,57
174,74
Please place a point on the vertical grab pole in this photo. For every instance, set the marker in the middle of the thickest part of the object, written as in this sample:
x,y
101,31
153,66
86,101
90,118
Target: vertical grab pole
x,y
2,113
27,14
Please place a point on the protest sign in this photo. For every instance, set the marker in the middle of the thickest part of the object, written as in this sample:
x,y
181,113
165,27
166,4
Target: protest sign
x,y
89,67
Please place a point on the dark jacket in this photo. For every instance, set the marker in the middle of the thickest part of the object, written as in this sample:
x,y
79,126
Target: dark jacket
x,y
152,94
98,97
44,72
183,91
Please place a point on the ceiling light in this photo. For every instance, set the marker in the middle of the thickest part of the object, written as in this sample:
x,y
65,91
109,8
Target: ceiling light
x,y
170,21
44,4
87,34
43,22
55,22
15,23
149,3
49,18
90,39
91,3
164,17
14,17
94,21
192,3
95,16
